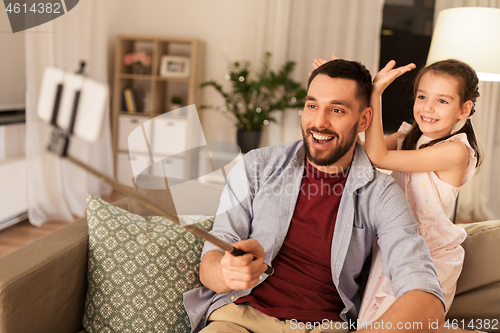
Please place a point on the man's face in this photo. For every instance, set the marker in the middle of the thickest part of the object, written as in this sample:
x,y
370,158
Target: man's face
x,y
330,120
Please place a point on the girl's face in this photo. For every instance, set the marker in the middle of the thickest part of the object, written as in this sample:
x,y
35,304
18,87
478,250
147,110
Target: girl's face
x,y
437,105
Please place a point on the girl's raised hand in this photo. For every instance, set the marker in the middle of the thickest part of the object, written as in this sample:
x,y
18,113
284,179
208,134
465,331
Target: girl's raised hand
x,y
318,61
388,74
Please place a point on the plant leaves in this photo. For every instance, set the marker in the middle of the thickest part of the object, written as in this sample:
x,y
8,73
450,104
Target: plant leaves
x,y
268,90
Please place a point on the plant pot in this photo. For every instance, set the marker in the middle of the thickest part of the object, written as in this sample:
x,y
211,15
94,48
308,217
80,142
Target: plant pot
x,y
138,68
175,106
177,110
248,140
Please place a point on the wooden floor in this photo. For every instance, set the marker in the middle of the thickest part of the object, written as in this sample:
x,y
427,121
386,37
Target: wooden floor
x,y
22,233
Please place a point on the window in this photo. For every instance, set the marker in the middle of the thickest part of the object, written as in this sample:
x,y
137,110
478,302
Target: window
x,y
406,37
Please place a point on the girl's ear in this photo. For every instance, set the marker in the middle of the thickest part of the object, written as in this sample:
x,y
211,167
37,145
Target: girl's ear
x,y
365,119
466,109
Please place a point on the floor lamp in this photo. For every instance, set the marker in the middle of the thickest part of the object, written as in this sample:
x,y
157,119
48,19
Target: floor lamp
x,y
472,35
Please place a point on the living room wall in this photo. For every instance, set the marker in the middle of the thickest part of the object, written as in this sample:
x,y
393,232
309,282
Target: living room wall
x,y
11,66
244,30
220,24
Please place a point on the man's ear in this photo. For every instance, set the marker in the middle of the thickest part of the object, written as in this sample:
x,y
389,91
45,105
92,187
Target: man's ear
x,y
466,110
365,118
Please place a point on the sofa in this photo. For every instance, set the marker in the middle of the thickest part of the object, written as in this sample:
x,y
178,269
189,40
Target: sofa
x,y
43,285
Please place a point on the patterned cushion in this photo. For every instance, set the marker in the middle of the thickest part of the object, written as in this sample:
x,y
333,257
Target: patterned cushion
x,y
139,268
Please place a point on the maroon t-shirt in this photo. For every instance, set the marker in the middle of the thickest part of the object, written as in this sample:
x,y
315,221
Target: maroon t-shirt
x,y
301,287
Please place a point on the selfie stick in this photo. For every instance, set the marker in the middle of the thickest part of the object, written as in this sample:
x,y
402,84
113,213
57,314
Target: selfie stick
x,y
59,144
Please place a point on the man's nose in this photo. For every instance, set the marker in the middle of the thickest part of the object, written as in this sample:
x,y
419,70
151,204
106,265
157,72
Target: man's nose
x,y
322,120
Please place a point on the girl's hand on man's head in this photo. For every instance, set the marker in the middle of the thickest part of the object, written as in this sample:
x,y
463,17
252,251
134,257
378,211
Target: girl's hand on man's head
x,y
319,61
388,74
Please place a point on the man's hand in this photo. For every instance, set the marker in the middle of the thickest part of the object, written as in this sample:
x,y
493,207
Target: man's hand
x,y
243,272
223,272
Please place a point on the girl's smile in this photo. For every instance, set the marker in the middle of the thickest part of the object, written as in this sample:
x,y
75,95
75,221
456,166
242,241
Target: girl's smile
x,y
429,120
438,105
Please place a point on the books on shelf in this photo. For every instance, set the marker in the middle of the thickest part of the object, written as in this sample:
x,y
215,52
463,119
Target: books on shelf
x,y
124,101
128,101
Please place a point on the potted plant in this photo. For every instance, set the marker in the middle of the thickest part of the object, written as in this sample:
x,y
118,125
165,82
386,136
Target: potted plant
x,y
175,102
140,62
254,98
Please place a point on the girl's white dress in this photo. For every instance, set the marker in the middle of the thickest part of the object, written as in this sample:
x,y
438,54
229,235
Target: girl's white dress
x,y
432,202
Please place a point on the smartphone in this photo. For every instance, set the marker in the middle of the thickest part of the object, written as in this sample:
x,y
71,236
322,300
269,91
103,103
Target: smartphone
x,y
92,103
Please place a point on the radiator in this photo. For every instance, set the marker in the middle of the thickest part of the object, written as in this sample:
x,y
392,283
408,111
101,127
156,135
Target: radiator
x,y
13,199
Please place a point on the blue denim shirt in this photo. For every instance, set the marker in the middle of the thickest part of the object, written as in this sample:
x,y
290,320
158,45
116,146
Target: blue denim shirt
x,y
259,200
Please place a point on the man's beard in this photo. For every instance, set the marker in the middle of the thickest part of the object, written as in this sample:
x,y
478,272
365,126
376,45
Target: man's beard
x,y
337,153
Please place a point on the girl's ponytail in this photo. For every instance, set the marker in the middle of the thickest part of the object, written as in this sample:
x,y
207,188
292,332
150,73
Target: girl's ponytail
x,y
411,139
471,137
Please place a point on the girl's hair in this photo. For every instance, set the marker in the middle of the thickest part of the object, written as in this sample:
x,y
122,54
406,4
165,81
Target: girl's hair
x,y
468,90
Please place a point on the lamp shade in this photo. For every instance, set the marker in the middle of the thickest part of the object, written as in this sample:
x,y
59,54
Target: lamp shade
x,y
469,34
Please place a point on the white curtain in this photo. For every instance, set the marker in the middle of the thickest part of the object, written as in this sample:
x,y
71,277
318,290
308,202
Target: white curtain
x,y
479,198
301,30
56,188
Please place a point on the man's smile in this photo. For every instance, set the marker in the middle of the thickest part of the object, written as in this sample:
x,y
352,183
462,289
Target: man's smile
x,y
320,140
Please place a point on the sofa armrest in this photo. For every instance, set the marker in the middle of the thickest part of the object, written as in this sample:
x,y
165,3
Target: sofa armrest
x,y
478,288
43,284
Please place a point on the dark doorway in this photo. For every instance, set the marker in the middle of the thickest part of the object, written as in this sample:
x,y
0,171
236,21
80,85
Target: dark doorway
x,y
406,37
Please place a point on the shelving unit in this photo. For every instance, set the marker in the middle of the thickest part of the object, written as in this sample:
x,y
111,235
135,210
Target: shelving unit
x,y
177,129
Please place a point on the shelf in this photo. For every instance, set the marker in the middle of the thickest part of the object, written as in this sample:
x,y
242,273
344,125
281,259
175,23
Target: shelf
x,y
175,116
142,114
125,76
150,115
172,79
135,76
156,155
123,151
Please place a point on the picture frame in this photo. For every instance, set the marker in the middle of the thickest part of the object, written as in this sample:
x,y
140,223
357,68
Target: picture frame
x,y
174,66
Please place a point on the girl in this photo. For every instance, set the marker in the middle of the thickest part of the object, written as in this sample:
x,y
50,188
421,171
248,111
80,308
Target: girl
x,y
431,160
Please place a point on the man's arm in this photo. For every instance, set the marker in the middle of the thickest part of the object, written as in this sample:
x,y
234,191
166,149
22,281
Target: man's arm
x,y
415,311
223,272
406,260
232,224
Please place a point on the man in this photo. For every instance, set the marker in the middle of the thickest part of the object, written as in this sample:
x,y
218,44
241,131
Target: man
x,y
313,209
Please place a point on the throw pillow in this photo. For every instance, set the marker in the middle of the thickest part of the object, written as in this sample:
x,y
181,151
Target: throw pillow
x,y
138,269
